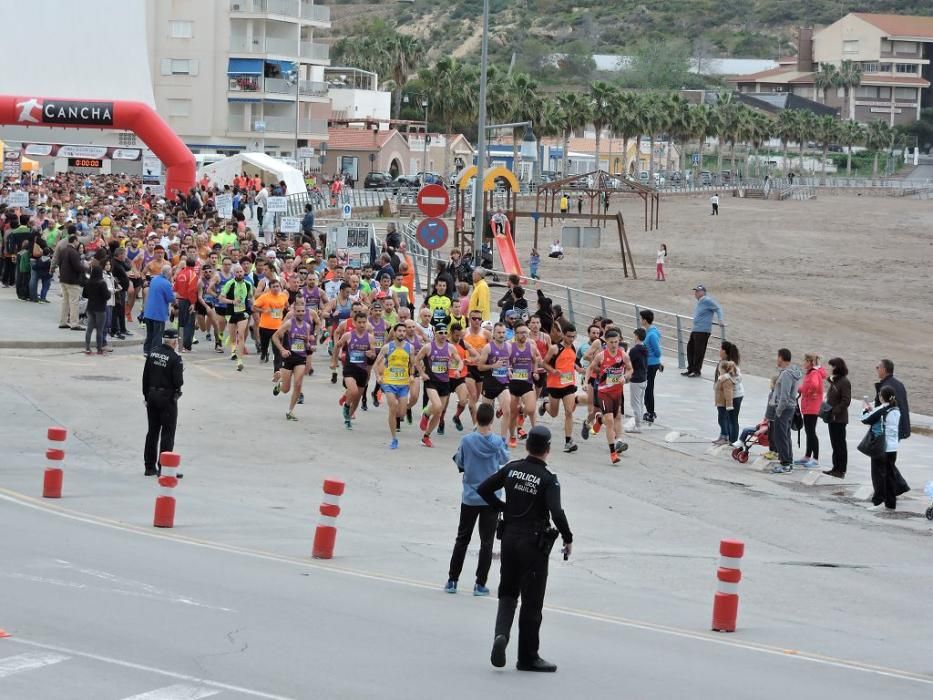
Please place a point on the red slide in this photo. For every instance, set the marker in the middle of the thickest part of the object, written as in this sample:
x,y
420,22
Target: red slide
x,y
507,255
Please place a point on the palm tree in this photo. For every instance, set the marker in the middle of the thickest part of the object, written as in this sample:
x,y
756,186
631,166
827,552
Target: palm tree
x,y
878,135
653,120
678,126
806,126
826,130
702,125
549,121
575,115
726,115
524,105
787,131
826,77
450,93
604,104
849,77
850,133
627,124
403,53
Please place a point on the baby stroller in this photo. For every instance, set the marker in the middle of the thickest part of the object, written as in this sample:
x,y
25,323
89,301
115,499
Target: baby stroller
x,y
749,437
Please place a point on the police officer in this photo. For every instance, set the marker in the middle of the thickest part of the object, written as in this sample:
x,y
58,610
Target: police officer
x,y
532,497
162,381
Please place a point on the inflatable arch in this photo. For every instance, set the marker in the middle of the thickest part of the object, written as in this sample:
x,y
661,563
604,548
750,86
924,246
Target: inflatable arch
x,y
489,181
121,115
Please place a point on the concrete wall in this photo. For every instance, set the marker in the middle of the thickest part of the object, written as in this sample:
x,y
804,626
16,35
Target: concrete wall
x,y
828,43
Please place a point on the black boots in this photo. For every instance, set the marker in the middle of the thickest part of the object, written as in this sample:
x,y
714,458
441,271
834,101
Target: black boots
x,y
539,665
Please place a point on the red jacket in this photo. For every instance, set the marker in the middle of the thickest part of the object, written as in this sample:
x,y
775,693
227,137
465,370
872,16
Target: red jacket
x,y
186,284
811,391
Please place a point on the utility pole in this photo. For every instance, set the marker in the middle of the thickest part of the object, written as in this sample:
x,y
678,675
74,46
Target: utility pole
x,y
478,214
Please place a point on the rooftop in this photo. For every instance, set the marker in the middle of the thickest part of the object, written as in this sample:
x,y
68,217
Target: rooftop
x,y
358,139
900,26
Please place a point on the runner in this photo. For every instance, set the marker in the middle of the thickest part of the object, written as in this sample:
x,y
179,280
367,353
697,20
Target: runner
x,y
587,351
542,341
417,340
441,358
458,377
494,358
238,294
562,367
337,309
380,330
394,365
271,307
475,338
439,304
207,301
611,367
359,344
299,330
524,365
218,282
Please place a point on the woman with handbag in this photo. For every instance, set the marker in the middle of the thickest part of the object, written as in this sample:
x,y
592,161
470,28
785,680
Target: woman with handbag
x,y
811,398
835,411
880,443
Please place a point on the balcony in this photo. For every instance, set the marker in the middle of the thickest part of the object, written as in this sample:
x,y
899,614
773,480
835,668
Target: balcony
x,y
314,51
283,47
286,8
315,13
275,125
278,86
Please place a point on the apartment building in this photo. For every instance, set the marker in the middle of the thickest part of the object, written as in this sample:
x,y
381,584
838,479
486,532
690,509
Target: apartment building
x,y
894,53
234,75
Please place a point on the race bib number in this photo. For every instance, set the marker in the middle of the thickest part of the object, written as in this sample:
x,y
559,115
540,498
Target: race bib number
x,y
500,372
357,357
298,344
379,340
566,378
397,374
439,367
520,375
276,313
239,307
613,379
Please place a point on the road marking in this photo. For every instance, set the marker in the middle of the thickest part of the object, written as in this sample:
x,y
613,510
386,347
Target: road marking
x,y
28,662
148,669
813,657
179,691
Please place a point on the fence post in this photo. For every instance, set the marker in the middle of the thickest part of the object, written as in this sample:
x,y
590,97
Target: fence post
x,y
602,303
637,317
722,326
570,306
681,361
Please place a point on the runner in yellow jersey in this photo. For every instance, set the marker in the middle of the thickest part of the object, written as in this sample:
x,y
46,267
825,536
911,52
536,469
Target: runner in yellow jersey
x,y
394,368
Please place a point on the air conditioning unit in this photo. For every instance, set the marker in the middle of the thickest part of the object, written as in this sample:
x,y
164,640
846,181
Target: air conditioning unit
x,y
235,8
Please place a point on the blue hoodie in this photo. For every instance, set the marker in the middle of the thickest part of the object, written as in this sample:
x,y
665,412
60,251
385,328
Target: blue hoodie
x,y
653,343
479,457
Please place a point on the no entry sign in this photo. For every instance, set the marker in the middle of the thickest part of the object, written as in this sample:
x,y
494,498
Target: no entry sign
x,y
432,233
433,200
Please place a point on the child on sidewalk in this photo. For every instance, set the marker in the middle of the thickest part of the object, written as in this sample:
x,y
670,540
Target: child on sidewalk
x,y
533,263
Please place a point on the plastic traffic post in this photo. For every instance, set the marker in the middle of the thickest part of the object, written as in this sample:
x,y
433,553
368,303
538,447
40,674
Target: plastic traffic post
x,y
55,455
325,535
726,601
165,501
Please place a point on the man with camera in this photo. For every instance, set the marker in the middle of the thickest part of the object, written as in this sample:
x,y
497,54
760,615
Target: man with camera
x,y
532,499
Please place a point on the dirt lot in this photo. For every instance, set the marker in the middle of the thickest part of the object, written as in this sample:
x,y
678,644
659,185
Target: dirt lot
x,y
838,275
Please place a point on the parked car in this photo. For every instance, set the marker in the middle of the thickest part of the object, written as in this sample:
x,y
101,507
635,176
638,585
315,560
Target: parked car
x,y
725,176
431,178
377,181
676,177
706,177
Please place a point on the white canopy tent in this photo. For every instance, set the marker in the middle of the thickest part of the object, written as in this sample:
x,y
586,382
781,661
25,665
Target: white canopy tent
x,y
268,168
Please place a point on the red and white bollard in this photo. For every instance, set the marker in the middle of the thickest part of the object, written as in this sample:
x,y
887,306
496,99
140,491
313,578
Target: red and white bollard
x,y
726,601
55,454
325,535
165,501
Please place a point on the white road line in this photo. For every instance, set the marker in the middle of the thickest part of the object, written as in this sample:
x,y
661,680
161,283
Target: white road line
x,y
28,662
179,691
142,667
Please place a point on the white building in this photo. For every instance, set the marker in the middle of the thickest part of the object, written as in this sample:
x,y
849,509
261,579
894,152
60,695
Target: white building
x,y
355,95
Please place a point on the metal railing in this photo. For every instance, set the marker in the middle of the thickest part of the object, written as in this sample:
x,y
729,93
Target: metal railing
x,y
315,13
315,51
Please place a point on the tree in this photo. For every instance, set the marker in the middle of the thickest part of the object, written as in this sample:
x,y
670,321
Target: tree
x,y
403,54
761,127
702,126
849,77
678,126
850,133
653,121
878,136
825,131
806,126
922,129
604,102
449,87
786,130
727,115
660,65
524,105
549,121
826,77
575,114
627,124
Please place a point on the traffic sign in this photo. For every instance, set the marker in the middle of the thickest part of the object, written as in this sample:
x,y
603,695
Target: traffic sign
x,y
696,158
432,233
433,200
347,211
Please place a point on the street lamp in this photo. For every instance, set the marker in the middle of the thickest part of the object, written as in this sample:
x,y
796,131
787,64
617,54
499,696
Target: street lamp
x,y
481,146
427,139
322,155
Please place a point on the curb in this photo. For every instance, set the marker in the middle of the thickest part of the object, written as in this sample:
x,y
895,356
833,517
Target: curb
x,y
59,344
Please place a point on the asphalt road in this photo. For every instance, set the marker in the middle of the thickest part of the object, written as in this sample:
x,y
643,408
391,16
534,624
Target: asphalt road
x,y
99,611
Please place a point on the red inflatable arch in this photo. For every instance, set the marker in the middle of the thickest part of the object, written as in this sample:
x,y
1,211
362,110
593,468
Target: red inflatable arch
x,y
102,114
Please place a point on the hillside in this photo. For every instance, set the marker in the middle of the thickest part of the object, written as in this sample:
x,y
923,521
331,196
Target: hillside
x,y
532,29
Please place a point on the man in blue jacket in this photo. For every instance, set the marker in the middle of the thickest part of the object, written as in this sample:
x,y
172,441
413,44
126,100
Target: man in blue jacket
x,y
653,345
479,456
155,313
702,327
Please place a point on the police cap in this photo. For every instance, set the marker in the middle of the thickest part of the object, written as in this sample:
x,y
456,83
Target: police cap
x,y
539,440
170,334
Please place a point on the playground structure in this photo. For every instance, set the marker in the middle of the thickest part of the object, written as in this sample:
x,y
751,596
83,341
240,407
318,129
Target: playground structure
x,y
501,204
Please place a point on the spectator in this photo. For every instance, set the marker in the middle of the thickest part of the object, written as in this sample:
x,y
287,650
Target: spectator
x,y
885,369
723,392
43,271
703,313
97,294
782,404
653,345
884,420
121,270
729,352
155,312
479,299
638,381
533,263
557,250
185,287
71,277
507,302
444,276
111,283
838,396
811,398
307,223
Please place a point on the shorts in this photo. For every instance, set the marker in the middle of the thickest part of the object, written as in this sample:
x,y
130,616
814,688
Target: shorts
x,y
293,361
399,390
442,388
238,317
540,380
559,392
455,382
201,309
474,373
493,387
224,311
518,388
610,404
360,375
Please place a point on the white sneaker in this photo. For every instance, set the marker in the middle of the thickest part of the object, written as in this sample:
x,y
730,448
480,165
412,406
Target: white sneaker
x,y
880,506
738,443
633,430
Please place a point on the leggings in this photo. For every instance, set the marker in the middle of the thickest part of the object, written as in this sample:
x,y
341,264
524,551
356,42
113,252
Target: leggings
x,y
265,339
95,322
659,272
813,442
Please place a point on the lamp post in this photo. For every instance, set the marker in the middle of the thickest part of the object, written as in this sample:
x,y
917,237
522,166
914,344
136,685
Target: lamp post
x,y
478,202
427,139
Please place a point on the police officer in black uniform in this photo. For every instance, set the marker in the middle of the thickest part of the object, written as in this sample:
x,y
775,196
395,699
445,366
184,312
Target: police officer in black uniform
x,y
162,381
532,497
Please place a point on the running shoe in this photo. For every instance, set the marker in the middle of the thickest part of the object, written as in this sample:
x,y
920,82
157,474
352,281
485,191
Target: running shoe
x,y
782,468
218,348
570,446
363,403
394,444
333,377
513,442
542,409
347,424
440,428
621,446
239,366
276,389
346,412
426,441
479,590
585,430
597,424
301,398
233,357
451,587
614,458
290,416
458,424
423,423
376,396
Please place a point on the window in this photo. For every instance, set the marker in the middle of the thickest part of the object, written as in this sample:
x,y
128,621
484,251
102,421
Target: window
x,y
884,93
886,67
905,67
180,29
905,47
887,46
866,91
179,108
905,94
869,67
850,46
179,66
